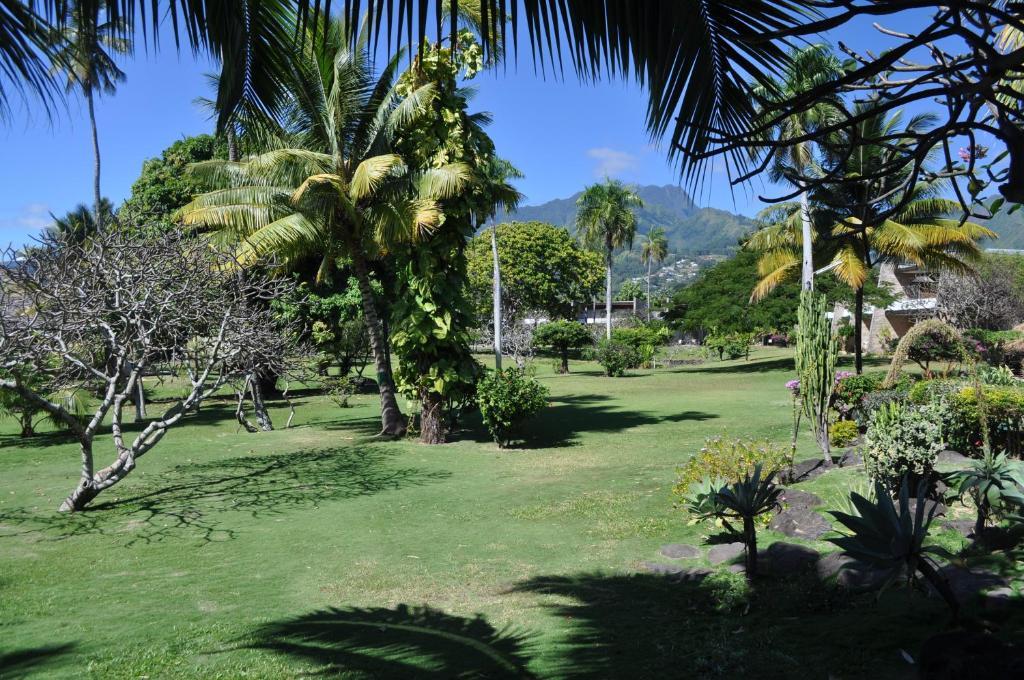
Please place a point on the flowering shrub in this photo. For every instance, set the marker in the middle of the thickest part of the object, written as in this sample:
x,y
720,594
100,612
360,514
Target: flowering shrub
x,y
902,439
729,459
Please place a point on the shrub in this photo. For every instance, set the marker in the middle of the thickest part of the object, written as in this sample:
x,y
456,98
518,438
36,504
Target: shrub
x,y
729,345
729,460
876,400
934,345
996,375
727,590
993,345
616,357
856,396
562,336
508,398
339,389
843,433
957,403
902,439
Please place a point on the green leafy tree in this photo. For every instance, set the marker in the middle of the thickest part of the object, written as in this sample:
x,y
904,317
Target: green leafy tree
x,y
339,190
653,250
605,221
630,290
87,44
563,336
543,269
165,185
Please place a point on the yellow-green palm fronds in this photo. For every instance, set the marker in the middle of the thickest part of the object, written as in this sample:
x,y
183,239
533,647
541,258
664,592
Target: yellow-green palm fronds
x,y
774,267
369,174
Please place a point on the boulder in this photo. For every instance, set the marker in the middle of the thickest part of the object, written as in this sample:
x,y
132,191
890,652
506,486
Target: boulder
x,y
968,583
676,572
999,599
964,527
725,552
929,505
850,458
800,523
950,458
849,573
795,498
783,558
802,471
680,551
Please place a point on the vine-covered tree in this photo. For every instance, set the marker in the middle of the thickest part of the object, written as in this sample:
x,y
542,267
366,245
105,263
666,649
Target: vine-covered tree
x,y
95,316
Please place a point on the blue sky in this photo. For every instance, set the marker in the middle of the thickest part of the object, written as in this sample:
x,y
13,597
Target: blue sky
x,y
562,134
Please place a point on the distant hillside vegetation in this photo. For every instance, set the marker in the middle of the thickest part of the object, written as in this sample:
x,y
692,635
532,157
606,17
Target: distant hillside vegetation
x,y
1010,229
691,230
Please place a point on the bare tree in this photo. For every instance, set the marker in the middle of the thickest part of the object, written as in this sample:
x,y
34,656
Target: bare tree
x,y
96,315
991,298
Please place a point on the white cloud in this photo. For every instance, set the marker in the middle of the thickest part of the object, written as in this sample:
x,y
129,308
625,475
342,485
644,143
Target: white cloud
x,y
30,217
611,162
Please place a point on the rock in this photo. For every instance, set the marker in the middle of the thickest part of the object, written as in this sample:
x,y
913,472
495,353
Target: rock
x,y
800,523
795,498
680,551
738,568
661,569
364,385
966,583
849,573
675,572
850,458
999,599
802,471
725,552
783,558
929,506
964,527
962,655
951,458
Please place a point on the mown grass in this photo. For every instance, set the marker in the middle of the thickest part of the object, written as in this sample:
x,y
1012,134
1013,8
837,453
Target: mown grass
x,y
321,550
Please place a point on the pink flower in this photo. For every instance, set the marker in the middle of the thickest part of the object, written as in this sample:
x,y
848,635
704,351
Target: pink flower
x,y
793,386
842,374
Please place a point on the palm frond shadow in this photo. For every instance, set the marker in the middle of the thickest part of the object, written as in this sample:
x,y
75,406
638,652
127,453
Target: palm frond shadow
x,y
403,642
24,663
192,501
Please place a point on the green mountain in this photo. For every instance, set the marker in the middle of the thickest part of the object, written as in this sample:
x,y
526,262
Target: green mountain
x,y
690,230
1010,229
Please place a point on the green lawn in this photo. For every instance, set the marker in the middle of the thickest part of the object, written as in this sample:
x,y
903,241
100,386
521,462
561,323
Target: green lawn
x,y
319,550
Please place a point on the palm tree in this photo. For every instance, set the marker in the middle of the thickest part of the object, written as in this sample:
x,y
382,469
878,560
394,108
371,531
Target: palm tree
x,y
856,225
807,68
653,249
605,220
80,223
329,189
86,46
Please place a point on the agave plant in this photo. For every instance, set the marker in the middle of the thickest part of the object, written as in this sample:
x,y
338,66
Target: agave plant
x,y
745,500
994,484
700,499
889,536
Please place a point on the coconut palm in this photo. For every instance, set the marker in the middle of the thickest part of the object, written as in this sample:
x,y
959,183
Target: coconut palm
x,y
333,187
807,68
856,227
86,46
653,249
80,223
605,220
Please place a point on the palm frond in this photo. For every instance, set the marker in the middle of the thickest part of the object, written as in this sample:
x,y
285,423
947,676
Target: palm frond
x,y
371,172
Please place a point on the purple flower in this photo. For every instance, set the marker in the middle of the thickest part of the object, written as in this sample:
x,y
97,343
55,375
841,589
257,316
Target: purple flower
x,y
793,386
977,152
842,374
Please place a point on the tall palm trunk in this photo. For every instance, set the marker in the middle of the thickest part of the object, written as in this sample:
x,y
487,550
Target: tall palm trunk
x,y
648,291
232,144
807,270
608,297
392,420
858,322
497,298
96,160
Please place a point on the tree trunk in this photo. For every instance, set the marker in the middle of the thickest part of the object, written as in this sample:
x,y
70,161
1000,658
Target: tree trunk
x,y
940,584
648,291
86,489
750,541
27,430
392,420
565,360
232,143
497,299
140,401
97,197
431,420
608,298
259,406
858,323
807,269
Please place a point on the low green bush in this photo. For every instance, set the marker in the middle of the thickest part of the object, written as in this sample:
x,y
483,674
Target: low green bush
x,y
843,433
728,345
727,590
957,404
508,398
617,356
996,375
902,439
729,459
856,396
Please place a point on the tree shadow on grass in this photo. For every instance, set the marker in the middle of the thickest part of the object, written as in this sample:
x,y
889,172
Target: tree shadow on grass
x,y
24,663
404,642
561,423
754,366
189,501
646,626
